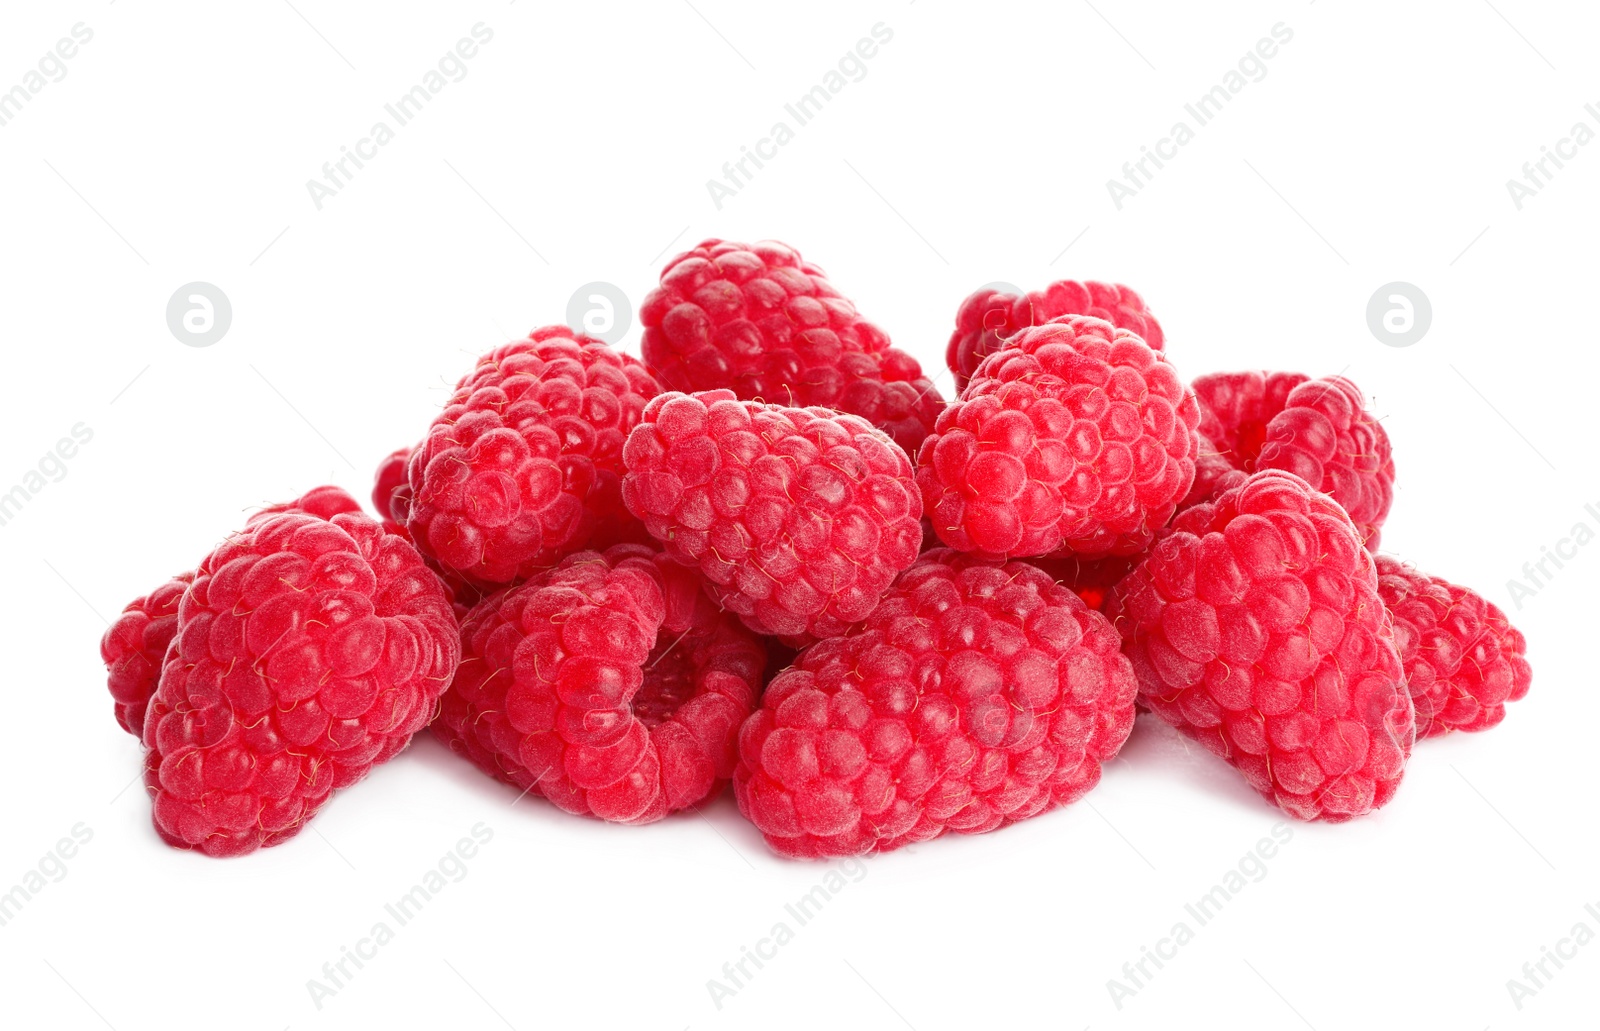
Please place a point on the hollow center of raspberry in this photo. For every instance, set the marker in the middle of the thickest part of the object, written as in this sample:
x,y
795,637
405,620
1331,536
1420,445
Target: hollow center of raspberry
x,y
1248,445
668,681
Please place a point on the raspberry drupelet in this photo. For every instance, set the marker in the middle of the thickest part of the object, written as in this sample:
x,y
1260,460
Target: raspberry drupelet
x,y
1255,627
1318,429
135,645
308,651
975,696
610,685
987,318
1075,437
524,465
1463,659
759,320
391,491
800,518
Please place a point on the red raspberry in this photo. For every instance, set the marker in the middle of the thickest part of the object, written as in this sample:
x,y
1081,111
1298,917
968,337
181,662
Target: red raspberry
x,y
525,463
391,496
975,695
1255,627
1318,429
391,491
760,321
463,594
610,685
988,317
322,502
1214,471
134,646
800,518
1463,658
1075,436
307,652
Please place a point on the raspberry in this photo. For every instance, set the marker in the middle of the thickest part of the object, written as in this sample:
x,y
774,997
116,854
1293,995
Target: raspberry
x,y
525,463
1075,436
463,594
1318,429
391,496
975,696
134,646
988,317
800,518
307,652
760,321
1255,627
1214,472
1463,659
391,491
322,502
610,685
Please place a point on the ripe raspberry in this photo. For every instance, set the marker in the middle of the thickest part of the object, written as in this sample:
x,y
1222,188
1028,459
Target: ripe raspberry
x,y
988,317
800,518
391,491
134,646
1075,436
463,594
1318,429
1255,627
391,496
1214,472
975,696
759,320
322,502
307,652
1463,659
610,685
524,465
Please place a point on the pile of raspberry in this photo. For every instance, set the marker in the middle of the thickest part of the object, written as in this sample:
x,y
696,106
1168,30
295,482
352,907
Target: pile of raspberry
x,y
770,555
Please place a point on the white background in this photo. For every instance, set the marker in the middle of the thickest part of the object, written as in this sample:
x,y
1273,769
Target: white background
x,y
976,149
